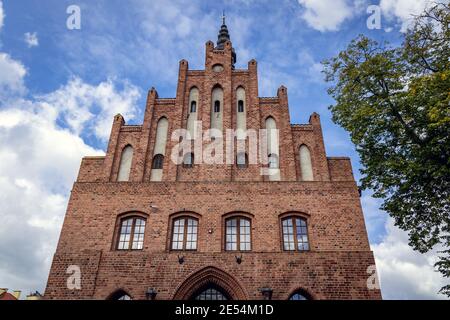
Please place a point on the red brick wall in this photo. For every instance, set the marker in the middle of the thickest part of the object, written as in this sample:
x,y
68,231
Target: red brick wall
x,y
336,233
340,169
324,275
334,268
91,170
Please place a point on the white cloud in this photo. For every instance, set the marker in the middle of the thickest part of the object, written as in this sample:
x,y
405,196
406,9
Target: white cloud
x,y
329,15
404,273
403,11
2,15
31,39
39,160
12,75
85,108
38,163
326,15
169,32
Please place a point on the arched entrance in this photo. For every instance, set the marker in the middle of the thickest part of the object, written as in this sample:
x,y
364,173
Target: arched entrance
x,y
210,283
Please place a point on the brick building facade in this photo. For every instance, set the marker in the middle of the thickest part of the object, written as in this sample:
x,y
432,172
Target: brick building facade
x,y
138,220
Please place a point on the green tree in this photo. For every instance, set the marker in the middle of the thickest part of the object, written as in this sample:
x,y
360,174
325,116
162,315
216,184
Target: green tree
x,y
395,103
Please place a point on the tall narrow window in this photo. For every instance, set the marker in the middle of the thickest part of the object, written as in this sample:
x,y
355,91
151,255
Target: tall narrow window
x,y
272,136
273,161
188,160
242,160
184,234
241,116
158,161
273,149
217,106
125,164
237,234
240,106
160,149
305,164
295,234
192,116
131,235
193,106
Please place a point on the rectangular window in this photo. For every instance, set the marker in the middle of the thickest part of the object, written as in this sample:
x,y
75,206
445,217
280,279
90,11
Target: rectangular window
x,y
138,239
237,234
244,235
191,243
302,235
184,234
295,234
131,234
178,234
288,235
231,234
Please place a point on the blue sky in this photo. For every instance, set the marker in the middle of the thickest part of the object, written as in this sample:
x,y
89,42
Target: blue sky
x,y
60,88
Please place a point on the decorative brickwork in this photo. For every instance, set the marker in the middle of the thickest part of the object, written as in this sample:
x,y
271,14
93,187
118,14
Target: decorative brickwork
x,y
335,266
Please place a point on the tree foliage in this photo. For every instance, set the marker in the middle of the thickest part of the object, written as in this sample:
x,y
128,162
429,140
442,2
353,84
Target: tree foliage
x,y
395,103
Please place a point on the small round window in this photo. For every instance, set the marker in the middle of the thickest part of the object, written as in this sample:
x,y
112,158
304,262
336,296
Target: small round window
x,y
217,68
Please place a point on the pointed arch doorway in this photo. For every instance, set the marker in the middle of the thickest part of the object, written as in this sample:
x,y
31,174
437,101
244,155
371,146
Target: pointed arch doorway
x,y
210,283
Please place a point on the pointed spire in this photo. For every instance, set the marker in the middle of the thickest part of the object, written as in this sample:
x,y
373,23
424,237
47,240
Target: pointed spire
x,y
223,34
223,37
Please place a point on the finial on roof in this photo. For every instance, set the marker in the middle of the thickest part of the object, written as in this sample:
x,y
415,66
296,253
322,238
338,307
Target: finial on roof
x,y
223,37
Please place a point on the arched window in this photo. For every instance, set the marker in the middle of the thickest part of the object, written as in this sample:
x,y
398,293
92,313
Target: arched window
x,y
184,233
273,149
273,161
295,234
216,109
306,164
217,106
131,233
241,116
242,160
188,160
192,116
240,106
238,234
158,161
125,163
193,106
298,296
159,150
272,136
271,123
210,292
